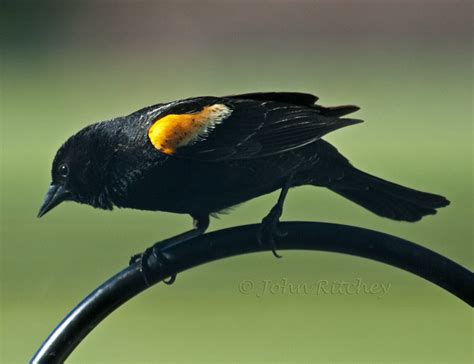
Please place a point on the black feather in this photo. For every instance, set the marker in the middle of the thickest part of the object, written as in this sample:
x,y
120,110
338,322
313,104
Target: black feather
x,y
293,98
258,128
382,197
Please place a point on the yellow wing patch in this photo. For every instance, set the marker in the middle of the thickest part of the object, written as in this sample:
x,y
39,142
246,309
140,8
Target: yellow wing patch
x,y
172,131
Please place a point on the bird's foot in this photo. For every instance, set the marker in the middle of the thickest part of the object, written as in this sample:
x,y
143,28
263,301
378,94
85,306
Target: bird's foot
x,y
156,255
269,230
142,259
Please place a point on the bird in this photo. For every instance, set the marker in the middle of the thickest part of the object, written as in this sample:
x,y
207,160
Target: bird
x,y
203,155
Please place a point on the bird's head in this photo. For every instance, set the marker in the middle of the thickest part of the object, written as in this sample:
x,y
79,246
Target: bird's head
x,y
79,172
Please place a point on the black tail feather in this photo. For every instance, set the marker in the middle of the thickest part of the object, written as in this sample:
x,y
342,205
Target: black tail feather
x,y
336,111
385,198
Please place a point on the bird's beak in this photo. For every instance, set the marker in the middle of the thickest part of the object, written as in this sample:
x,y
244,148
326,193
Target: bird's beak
x,y
55,195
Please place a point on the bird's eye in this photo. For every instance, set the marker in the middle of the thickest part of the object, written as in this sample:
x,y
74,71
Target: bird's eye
x,y
63,170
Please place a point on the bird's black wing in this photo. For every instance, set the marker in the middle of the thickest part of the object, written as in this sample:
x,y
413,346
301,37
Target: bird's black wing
x,y
243,126
293,98
297,98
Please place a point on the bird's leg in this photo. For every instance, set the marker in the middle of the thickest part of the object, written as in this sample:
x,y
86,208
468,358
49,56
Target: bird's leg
x,y
269,227
200,223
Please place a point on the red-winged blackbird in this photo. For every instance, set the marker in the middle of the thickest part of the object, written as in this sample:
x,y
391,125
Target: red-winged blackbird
x,y
203,155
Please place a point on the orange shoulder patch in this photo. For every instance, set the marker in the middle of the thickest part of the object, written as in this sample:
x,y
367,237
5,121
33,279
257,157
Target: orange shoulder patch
x,y
172,131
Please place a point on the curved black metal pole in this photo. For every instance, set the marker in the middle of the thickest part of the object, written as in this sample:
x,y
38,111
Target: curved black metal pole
x,y
242,240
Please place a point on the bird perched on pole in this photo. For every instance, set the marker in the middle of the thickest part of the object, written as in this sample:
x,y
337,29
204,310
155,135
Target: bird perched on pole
x,y
202,155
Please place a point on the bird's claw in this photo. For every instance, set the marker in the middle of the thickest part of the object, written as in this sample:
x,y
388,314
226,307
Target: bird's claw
x,y
269,230
170,280
141,259
280,233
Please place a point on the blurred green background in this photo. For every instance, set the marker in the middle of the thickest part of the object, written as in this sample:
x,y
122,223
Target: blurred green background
x,y
407,64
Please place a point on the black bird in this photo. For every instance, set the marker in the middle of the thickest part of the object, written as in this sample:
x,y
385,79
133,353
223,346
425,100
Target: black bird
x,y
202,155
